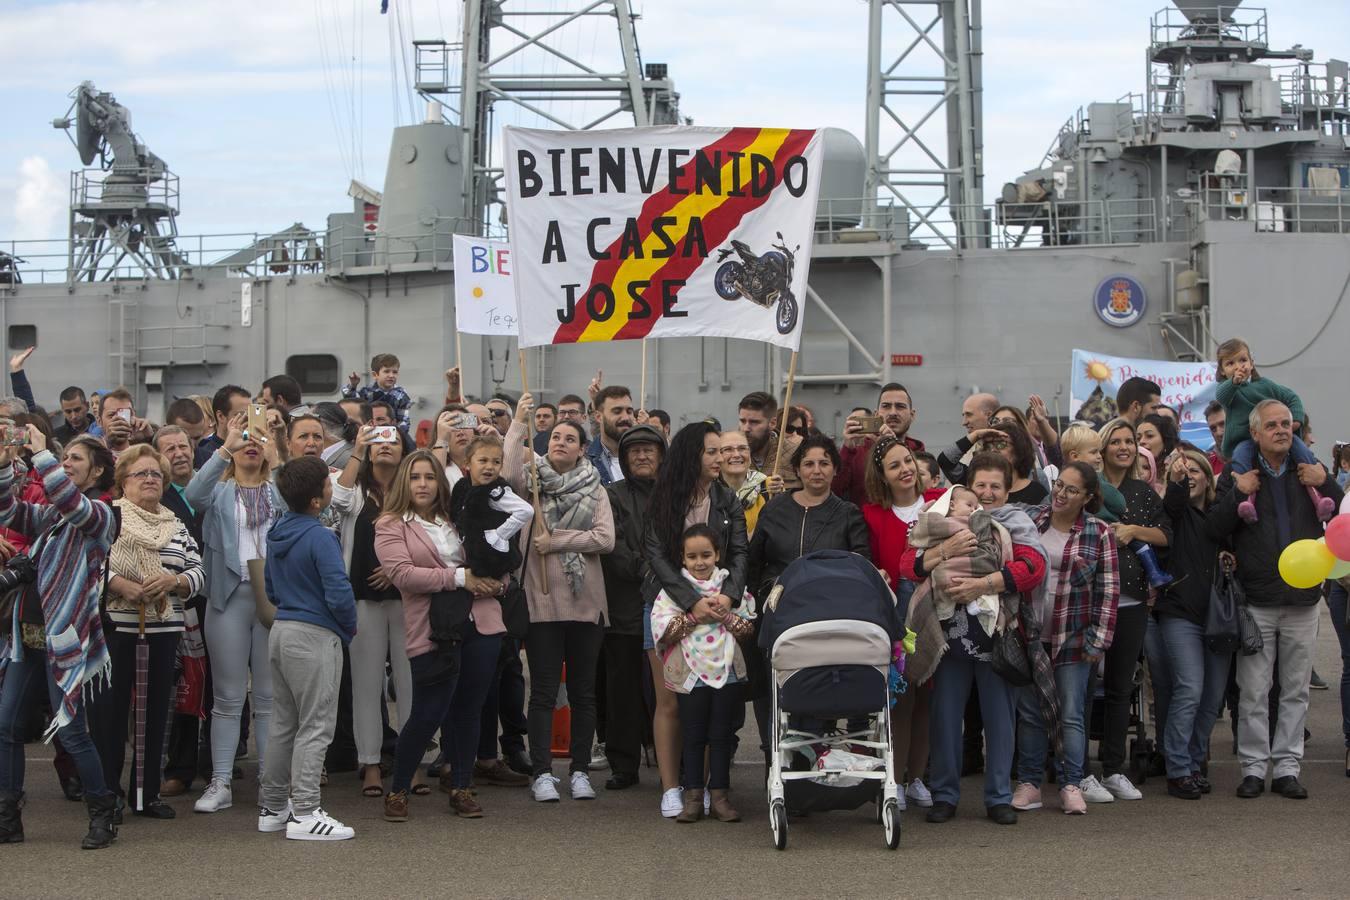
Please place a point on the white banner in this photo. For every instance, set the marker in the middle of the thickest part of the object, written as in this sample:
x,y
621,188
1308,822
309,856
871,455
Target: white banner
x,y
485,300
670,231
1186,386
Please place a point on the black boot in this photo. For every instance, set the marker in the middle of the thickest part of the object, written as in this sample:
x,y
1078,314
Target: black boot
x,y
1149,560
102,831
11,820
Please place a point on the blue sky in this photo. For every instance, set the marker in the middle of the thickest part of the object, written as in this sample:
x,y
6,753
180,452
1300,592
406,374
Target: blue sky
x,y
264,115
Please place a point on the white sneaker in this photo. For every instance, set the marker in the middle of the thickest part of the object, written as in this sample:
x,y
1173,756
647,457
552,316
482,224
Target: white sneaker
x,y
672,801
581,787
216,797
546,789
318,826
1121,789
269,821
598,758
1093,792
919,794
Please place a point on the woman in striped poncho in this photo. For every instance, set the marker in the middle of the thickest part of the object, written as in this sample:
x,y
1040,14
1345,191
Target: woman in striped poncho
x,y
63,644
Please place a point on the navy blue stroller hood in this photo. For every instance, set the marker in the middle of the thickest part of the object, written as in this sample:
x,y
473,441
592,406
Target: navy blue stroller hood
x,y
829,585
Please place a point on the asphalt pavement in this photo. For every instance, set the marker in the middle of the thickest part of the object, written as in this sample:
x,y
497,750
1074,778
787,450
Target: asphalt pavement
x,y
619,846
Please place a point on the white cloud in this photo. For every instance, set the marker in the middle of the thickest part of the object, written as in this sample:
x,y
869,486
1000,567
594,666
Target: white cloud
x,y
39,199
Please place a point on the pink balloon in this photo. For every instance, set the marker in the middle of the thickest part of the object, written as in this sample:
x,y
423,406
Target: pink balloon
x,y
1338,537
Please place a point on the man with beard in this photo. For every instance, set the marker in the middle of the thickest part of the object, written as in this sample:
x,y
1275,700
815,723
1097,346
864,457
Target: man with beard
x,y
896,410
757,413
614,407
640,452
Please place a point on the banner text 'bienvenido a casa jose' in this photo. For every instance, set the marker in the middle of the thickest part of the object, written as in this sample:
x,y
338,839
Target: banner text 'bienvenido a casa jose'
x,y
670,231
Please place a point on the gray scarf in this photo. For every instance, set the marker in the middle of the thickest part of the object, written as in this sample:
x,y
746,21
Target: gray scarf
x,y
568,500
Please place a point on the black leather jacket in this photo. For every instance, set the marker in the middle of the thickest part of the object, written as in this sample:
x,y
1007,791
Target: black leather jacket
x,y
626,565
727,518
787,530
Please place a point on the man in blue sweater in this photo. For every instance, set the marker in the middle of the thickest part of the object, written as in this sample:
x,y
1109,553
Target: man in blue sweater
x,y
316,615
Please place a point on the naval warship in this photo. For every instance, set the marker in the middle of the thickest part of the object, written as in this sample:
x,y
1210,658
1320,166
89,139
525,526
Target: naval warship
x,y
1215,201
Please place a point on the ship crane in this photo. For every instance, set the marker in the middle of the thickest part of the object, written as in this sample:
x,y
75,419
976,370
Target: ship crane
x,y
123,213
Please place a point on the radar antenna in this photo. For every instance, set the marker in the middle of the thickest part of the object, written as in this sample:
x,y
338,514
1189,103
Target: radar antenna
x,y
123,213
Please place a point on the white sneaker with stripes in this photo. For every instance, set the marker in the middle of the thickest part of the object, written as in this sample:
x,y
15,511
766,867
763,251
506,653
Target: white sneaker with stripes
x,y
318,826
269,821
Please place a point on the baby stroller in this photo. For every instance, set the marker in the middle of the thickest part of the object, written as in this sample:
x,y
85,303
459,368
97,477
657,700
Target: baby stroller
x,y
828,629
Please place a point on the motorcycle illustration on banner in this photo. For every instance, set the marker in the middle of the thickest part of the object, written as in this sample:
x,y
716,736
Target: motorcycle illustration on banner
x,y
762,279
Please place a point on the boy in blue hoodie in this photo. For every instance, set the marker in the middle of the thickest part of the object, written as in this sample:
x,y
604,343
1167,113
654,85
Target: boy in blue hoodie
x,y
316,615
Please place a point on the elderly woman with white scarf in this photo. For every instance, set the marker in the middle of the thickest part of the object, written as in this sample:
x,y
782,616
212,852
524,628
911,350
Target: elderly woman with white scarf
x,y
564,587
154,565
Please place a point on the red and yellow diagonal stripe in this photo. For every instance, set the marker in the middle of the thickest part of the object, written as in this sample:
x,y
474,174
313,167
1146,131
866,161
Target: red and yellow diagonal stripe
x,y
720,215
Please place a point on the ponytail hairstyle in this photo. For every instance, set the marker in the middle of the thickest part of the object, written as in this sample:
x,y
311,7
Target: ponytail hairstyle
x,y
1091,484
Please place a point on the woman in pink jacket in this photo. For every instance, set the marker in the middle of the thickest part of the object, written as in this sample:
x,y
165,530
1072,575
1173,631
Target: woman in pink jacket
x,y
421,554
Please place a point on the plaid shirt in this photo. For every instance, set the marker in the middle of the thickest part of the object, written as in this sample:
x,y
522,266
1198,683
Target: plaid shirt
x,y
396,397
1085,591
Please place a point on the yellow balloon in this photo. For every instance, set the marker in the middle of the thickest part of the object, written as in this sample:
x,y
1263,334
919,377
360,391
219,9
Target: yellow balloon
x,y
1306,563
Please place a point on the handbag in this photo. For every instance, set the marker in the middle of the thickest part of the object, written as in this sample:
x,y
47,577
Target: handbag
x,y
447,612
1009,657
1223,635
1249,632
263,606
515,605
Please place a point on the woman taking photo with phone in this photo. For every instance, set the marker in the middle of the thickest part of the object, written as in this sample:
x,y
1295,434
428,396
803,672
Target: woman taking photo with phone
x,y
239,503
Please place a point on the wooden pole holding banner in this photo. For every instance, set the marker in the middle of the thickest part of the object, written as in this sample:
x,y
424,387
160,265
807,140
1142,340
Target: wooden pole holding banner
x,y
459,360
782,421
540,527
642,385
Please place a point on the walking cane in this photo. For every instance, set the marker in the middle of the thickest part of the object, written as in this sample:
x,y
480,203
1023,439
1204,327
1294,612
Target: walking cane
x,y
142,675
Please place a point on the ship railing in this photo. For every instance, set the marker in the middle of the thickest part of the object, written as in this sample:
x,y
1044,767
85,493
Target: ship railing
x,y
1327,94
89,188
1322,209
195,256
425,248
1224,23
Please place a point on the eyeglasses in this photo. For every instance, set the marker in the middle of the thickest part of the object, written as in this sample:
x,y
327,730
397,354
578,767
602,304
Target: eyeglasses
x,y
995,421
569,414
147,475
735,448
1067,490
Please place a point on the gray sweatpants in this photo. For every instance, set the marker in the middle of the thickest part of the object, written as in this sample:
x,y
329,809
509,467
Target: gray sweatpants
x,y
306,672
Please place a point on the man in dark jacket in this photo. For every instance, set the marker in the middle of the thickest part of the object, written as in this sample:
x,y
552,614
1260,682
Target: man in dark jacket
x,y
641,449
1286,616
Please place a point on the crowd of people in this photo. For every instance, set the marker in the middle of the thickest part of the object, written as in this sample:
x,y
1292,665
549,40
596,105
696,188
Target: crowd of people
x,y
355,591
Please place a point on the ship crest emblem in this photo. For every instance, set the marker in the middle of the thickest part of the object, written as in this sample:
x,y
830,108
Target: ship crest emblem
x,y
1120,301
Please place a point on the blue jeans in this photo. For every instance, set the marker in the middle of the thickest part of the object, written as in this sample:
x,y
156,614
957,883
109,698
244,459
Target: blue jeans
x,y
454,705
1071,682
951,688
22,678
1161,678
1337,600
1199,680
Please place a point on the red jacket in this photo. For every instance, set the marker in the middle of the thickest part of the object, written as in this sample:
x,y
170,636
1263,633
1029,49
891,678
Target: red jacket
x,y
889,538
849,481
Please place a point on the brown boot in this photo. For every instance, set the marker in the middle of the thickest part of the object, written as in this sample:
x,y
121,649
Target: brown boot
x,y
722,810
693,807
396,806
463,805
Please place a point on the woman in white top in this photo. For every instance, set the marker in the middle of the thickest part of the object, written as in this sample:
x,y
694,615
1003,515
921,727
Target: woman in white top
x,y
238,503
359,491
